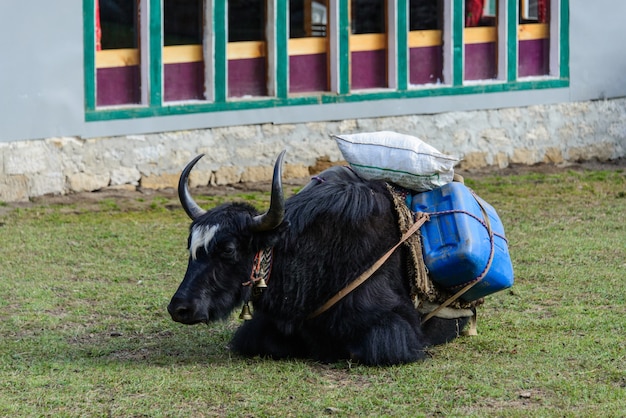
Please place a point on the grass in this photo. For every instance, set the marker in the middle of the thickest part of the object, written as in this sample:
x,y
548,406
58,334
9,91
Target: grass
x,y
84,331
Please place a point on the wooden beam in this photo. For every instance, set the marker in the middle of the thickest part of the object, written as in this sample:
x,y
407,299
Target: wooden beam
x,y
530,31
424,38
480,35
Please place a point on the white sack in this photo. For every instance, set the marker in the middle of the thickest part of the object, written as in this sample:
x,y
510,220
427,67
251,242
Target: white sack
x,y
401,159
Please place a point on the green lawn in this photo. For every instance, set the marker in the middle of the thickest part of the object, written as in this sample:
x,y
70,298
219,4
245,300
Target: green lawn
x,y
84,330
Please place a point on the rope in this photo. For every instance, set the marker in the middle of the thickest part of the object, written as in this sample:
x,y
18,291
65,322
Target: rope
x,y
421,218
467,286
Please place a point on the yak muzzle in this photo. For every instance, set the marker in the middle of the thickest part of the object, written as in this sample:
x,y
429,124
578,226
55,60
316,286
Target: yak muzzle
x,y
186,312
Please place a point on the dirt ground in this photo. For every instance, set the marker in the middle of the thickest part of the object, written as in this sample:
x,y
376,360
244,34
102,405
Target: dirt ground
x,y
138,198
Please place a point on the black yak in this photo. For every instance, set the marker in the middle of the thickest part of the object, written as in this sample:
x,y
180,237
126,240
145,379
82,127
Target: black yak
x,y
319,240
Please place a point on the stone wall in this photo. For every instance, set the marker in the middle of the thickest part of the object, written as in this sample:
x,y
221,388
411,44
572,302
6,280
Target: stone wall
x,y
530,135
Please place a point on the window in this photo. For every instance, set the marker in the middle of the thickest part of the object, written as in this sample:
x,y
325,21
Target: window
x,y
308,46
534,38
183,60
480,37
160,57
117,57
425,41
368,44
247,48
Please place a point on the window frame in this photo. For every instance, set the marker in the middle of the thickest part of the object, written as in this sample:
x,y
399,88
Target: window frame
x,y
215,50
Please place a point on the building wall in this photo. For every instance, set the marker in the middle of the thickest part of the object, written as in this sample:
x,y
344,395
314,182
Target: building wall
x,y
46,146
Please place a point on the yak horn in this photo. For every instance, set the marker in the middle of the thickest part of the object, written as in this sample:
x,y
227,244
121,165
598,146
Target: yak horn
x,y
191,207
276,212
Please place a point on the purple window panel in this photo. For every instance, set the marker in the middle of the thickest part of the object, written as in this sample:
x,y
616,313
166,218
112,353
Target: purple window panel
x,y
308,73
480,61
426,65
183,81
534,57
246,77
118,85
369,69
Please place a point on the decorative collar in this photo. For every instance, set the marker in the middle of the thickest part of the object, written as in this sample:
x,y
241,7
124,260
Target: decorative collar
x,y
261,271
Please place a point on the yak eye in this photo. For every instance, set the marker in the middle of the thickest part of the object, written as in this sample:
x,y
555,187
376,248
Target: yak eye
x,y
228,250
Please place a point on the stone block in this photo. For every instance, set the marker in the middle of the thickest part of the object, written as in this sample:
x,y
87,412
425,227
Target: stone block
x,y
46,183
553,156
473,160
501,160
322,163
524,156
14,188
125,175
295,171
601,151
63,142
87,182
227,175
200,178
257,173
160,181
495,137
27,157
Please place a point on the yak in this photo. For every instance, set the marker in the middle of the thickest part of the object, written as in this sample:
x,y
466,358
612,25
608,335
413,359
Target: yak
x,y
319,240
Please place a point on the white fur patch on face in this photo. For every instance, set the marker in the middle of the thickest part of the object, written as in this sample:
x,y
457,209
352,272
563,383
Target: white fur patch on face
x,y
201,236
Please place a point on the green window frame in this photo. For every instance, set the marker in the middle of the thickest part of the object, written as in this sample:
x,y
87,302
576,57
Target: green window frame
x,y
151,34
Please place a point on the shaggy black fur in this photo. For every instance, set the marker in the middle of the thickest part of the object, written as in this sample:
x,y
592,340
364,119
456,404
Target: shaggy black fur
x,y
333,230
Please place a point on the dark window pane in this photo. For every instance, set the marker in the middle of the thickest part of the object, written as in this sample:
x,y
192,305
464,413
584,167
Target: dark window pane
x,y
368,16
425,14
182,21
118,20
246,20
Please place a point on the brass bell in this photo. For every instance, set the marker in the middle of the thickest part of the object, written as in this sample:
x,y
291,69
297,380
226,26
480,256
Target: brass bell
x,y
261,284
245,314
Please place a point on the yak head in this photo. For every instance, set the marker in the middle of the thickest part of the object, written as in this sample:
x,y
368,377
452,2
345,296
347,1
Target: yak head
x,y
222,244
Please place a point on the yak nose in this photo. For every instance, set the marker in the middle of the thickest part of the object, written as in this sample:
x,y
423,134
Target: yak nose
x,y
184,312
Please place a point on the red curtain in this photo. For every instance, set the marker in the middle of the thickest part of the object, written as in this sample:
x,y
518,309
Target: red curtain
x,y
473,12
98,28
542,5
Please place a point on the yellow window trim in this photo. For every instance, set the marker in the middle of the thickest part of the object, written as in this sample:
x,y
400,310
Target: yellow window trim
x,y
245,49
109,58
127,57
424,38
531,31
368,42
307,46
178,54
480,35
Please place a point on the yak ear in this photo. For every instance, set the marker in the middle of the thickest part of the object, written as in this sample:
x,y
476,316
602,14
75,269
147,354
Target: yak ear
x,y
275,214
191,207
270,238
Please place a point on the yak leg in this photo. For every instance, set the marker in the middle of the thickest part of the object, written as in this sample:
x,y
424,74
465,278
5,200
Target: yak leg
x,y
395,338
262,337
440,331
